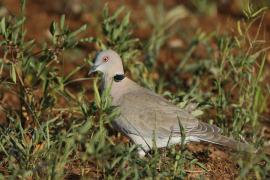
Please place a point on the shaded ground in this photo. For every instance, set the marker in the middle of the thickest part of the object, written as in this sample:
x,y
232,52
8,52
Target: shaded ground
x,y
217,160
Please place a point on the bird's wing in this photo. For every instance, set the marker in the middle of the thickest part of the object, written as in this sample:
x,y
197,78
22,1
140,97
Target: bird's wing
x,y
144,113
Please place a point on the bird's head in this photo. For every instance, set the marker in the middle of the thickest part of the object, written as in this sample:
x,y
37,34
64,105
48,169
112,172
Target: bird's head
x,y
109,63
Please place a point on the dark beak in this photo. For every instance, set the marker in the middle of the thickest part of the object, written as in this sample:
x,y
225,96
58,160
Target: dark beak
x,y
93,69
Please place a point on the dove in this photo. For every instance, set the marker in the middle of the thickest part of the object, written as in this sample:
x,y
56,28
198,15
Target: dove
x,y
149,119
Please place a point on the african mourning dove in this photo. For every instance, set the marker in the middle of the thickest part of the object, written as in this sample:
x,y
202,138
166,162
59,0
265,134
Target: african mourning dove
x,y
148,118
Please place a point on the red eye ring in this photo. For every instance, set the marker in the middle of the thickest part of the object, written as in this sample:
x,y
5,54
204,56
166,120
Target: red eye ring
x,y
105,58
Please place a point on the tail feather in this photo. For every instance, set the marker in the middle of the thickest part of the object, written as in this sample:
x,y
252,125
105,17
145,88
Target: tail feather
x,y
211,133
230,143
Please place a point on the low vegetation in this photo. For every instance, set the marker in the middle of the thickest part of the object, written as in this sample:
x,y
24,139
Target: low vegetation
x,y
51,130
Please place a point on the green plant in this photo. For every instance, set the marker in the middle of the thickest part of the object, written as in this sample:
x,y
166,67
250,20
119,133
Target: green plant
x,y
36,141
55,131
162,22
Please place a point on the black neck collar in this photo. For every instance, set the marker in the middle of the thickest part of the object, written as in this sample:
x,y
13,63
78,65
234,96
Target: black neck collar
x,y
118,77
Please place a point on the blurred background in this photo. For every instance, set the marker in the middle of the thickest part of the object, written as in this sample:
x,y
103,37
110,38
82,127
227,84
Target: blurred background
x,y
206,14
184,23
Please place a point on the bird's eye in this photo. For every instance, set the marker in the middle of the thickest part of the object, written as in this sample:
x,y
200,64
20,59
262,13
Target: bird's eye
x,y
105,58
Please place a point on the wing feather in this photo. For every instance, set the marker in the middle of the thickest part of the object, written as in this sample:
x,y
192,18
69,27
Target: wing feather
x,y
145,113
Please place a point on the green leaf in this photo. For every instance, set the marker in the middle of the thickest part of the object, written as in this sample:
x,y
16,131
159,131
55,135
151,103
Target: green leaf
x,y
3,26
72,73
28,44
86,127
117,13
53,28
13,73
125,21
197,112
1,67
202,166
256,13
75,33
19,22
88,40
62,22
97,95
105,11
22,5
